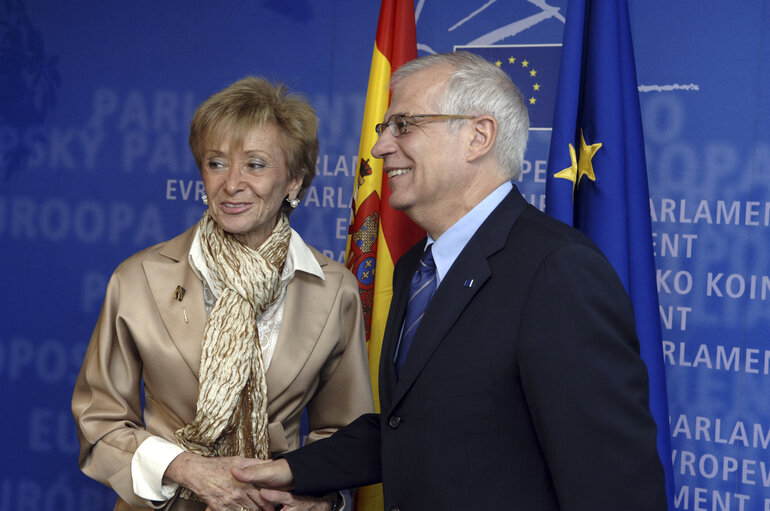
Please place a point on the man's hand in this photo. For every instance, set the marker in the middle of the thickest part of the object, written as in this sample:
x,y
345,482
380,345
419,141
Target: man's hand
x,y
274,474
291,502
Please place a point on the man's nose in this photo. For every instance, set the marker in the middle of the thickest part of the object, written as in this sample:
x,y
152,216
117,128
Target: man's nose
x,y
386,144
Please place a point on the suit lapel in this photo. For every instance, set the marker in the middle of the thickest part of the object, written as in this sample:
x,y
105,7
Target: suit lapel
x,y
184,320
463,281
297,338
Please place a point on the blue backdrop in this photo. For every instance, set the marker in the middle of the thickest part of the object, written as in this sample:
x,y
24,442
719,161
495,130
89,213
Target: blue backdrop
x,y
95,103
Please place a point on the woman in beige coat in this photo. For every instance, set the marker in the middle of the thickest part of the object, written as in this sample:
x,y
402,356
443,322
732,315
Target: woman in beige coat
x,y
211,344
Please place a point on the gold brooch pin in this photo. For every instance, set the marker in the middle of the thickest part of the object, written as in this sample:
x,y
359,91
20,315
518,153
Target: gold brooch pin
x,y
179,293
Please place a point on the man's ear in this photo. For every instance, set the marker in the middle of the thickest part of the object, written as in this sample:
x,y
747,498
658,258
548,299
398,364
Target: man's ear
x,y
484,136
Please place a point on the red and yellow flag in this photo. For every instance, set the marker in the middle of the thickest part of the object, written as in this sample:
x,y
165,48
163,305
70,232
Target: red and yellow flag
x,y
378,234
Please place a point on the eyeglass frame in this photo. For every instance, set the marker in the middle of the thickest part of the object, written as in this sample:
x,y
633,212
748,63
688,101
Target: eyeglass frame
x,y
396,131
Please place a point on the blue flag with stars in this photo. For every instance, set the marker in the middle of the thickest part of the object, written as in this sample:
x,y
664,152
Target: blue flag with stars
x,y
597,175
534,68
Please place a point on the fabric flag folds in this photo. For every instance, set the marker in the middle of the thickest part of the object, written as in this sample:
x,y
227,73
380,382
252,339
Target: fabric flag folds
x,y
379,235
597,176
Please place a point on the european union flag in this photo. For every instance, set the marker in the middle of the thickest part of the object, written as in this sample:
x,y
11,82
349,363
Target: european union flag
x,y
534,69
597,175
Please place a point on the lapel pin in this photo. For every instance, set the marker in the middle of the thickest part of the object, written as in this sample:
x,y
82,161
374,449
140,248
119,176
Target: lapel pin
x,y
468,283
179,293
185,315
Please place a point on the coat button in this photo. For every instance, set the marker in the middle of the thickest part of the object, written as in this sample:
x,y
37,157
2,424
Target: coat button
x,y
393,423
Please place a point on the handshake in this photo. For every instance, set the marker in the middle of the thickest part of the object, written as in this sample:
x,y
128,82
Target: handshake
x,y
275,480
236,483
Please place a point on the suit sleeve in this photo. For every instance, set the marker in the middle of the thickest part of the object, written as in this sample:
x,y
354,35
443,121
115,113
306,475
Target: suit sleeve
x,y
106,403
348,459
587,387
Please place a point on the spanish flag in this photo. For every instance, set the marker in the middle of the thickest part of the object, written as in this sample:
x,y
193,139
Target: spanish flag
x,y
379,235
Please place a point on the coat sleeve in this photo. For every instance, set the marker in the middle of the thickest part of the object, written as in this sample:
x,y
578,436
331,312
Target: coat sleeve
x,y
106,403
342,405
586,386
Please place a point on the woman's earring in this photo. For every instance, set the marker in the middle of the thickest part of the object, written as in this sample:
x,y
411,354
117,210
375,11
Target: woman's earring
x,y
205,199
293,202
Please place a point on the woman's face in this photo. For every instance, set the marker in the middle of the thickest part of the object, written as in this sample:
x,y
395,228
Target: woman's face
x,y
246,185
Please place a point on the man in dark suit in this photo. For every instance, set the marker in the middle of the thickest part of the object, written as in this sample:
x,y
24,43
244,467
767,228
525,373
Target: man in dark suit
x,y
520,386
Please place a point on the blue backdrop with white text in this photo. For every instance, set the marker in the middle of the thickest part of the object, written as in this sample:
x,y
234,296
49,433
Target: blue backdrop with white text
x,y
95,103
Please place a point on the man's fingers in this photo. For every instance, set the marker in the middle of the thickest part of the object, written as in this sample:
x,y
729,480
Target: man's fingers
x,y
277,496
262,503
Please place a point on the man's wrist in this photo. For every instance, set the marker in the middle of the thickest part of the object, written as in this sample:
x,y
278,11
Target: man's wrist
x,y
336,500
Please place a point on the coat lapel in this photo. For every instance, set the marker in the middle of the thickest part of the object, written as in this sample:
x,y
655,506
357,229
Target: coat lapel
x,y
184,319
462,282
296,338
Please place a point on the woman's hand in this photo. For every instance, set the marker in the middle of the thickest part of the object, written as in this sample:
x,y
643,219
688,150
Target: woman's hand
x,y
213,483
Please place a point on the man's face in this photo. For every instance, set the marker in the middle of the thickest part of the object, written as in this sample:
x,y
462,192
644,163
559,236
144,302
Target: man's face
x,y
420,163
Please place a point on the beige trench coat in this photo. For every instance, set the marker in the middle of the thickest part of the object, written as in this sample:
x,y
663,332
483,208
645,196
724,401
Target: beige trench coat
x,y
144,334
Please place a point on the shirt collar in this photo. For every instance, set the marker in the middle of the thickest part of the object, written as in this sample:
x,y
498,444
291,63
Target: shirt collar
x,y
302,257
453,240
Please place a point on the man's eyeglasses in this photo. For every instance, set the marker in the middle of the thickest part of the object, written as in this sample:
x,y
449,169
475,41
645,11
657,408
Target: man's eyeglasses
x,y
399,123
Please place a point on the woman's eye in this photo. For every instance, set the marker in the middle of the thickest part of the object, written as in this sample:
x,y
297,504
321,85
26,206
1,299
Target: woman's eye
x,y
255,165
215,164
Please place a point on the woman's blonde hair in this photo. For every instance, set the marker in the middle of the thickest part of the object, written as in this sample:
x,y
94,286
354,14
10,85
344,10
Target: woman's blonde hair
x,y
252,102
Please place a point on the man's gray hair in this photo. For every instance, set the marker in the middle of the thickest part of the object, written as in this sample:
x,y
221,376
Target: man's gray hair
x,y
478,87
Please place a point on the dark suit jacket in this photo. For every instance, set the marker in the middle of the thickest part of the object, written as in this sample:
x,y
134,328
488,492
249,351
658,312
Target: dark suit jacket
x,y
522,390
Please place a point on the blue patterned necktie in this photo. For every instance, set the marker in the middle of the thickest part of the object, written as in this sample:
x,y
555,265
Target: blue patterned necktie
x,y
420,292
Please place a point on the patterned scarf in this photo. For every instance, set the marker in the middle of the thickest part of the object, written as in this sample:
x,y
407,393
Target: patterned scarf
x,y
231,417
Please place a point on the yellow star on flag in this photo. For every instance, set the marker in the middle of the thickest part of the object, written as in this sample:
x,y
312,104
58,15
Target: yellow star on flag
x,y
532,101
524,63
498,63
511,60
536,86
582,165
533,73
